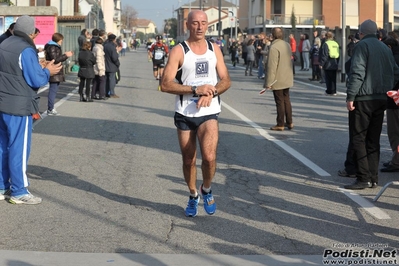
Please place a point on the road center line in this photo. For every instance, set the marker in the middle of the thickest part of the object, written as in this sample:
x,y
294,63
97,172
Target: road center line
x,y
279,143
365,204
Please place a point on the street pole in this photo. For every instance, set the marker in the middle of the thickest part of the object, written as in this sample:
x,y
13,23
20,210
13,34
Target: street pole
x,y
220,17
264,16
343,75
231,25
386,16
235,19
98,16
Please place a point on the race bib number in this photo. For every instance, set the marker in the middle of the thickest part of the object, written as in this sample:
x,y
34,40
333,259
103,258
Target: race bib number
x,y
158,55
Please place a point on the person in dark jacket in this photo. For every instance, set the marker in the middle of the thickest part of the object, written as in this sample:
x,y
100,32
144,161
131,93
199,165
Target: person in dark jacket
x,y
53,52
21,76
86,71
84,36
8,33
94,37
111,65
373,73
329,59
392,113
314,56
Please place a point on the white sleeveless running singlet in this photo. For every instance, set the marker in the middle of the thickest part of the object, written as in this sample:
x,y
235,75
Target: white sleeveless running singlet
x,y
197,70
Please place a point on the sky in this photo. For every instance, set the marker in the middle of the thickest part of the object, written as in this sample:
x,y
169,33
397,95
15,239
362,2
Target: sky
x,y
158,10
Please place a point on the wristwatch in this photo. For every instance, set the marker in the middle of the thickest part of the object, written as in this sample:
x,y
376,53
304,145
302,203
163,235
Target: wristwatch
x,y
215,93
194,89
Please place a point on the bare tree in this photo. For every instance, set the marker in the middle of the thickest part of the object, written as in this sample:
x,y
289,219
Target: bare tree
x,y
128,16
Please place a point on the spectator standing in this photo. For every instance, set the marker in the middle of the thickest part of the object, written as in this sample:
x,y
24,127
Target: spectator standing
x,y
323,40
314,57
8,33
94,36
260,46
86,71
84,36
220,44
203,76
293,51
53,51
20,79
392,115
233,51
351,45
111,66
300,45
280,78
305,52
124,47
99,71
373,73
329,59
265,52
250,57
244,50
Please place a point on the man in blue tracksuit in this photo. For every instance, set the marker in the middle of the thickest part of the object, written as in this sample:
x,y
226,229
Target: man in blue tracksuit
x,y
21,76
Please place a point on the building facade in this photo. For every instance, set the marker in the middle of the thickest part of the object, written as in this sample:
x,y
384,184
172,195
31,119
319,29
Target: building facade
x,y
145,26
310,13
111,10
229,14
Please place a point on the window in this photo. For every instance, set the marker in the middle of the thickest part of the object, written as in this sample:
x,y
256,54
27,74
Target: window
x,y
39,3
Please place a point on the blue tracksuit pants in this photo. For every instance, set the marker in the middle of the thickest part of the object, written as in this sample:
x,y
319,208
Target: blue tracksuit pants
x,y
15,141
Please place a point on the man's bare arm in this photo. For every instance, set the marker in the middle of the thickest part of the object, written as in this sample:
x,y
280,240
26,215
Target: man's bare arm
x,y
168,83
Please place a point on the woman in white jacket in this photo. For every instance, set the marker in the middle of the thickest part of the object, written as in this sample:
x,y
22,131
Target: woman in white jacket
x,y
99,70
305,52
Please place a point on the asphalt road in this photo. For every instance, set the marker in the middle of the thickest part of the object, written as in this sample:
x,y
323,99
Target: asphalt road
x,y
110,177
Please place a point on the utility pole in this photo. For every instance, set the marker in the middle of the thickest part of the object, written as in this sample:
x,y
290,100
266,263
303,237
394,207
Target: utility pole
x,y
264,16
235,19
220,17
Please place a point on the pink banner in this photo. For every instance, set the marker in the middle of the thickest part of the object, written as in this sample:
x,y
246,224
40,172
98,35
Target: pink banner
x,y
46,25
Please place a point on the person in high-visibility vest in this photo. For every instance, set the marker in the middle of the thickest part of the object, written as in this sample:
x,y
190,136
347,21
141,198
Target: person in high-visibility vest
x,y
329,60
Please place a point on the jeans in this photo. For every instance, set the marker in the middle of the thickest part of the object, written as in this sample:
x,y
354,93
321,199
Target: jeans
x,y
305,56
98,86
249,66
260,67
367,122
52,92
110,83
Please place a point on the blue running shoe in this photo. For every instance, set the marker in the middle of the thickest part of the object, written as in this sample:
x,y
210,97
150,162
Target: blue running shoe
x,y
209,201
192,206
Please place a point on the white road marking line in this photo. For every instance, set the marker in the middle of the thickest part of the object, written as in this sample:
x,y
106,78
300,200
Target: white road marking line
x,y
281,144
365,204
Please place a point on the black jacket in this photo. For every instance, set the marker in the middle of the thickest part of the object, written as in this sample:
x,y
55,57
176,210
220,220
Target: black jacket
x,y
390,102
53,51
86,63
5,35
111,57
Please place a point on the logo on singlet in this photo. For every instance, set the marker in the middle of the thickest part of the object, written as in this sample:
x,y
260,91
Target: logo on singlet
x,y
201,69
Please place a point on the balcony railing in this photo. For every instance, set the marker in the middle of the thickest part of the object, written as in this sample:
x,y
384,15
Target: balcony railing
x,y
280,19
